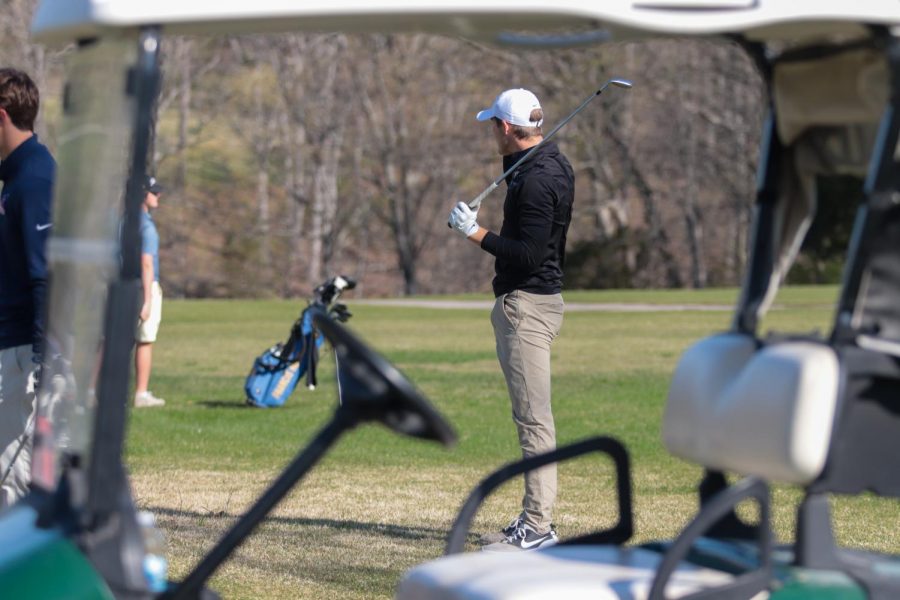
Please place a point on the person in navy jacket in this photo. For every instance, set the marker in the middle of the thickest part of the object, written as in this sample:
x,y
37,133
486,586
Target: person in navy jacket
x,y
27,171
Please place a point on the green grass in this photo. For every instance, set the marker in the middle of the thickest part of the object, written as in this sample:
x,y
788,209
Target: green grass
x,y
796,296
379,504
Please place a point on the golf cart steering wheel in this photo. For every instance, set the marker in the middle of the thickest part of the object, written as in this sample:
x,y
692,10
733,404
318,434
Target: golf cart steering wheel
x,y
372,389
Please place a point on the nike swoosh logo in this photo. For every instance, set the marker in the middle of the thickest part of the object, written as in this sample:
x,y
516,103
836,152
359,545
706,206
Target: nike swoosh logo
x,y
43,227
527,545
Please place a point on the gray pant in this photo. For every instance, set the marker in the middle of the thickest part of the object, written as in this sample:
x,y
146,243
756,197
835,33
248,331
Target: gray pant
x,y
16,408
525,324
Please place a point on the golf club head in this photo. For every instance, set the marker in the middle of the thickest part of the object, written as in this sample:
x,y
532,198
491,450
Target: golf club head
x,y
342,282
619,82
374,390
331,290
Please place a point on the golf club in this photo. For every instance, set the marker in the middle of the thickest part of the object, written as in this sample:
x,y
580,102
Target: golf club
x,y
616,81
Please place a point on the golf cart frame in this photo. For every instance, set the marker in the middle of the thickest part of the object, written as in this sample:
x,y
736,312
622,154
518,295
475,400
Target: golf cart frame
x,y
81,514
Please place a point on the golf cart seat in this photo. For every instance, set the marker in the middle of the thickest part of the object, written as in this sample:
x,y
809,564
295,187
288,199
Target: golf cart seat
x,y
767,411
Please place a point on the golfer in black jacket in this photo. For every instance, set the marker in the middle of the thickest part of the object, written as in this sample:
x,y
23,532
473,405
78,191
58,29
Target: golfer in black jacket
x,y
528,312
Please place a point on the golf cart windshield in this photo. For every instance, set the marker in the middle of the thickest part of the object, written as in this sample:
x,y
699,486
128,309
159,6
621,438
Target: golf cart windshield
x,y
825,124
84,249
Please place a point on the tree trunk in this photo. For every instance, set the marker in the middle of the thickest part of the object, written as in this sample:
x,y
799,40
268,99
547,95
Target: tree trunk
x,y
693,218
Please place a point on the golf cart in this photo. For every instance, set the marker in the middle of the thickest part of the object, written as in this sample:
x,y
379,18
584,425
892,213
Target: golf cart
x,y
827,426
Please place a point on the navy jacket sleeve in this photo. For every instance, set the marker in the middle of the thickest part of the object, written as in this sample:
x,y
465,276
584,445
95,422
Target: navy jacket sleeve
x,y
36,226
535,210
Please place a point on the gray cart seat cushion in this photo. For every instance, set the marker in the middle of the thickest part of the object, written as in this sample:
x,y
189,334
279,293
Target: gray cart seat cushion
x,y
767,412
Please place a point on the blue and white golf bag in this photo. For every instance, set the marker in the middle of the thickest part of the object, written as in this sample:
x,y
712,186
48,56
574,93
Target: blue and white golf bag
x,y
276,371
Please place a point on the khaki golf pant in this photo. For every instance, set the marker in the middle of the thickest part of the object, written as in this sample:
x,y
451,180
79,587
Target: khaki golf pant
x,y
525,325
16,408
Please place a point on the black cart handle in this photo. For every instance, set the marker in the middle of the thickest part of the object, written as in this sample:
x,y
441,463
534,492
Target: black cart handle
x,y
620,533
742,586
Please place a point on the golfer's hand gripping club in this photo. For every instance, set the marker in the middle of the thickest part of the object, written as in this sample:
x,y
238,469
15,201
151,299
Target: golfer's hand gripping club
x,y
476,202
462,219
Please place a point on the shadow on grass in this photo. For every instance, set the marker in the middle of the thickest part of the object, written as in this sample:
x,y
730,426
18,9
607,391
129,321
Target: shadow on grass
x,y
203,522
335,555
224,404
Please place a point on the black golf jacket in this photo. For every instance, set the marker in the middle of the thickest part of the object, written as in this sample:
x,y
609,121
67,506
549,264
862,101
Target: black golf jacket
x,y
530,250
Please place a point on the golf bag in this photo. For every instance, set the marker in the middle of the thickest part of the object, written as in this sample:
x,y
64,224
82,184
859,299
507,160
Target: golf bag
x,y
277,370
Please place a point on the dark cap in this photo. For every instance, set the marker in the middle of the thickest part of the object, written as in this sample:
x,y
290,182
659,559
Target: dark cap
x,y
153,186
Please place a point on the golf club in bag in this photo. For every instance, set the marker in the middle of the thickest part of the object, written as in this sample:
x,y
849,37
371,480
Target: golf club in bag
x,y
276,371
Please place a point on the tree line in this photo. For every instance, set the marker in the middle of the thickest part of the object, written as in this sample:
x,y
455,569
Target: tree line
x,y
290,158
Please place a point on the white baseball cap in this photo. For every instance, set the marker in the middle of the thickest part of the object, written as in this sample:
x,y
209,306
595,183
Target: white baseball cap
x,y
514,107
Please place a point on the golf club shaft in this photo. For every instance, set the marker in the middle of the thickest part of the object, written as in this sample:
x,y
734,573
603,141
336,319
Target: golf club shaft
x,y
476,202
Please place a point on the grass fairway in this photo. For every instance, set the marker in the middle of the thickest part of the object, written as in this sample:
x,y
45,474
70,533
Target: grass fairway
x,y
379,504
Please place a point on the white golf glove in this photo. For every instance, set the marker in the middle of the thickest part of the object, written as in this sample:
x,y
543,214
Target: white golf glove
x,y
462,219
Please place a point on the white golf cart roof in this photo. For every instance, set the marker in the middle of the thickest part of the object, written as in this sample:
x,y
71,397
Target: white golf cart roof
x,y
62,21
